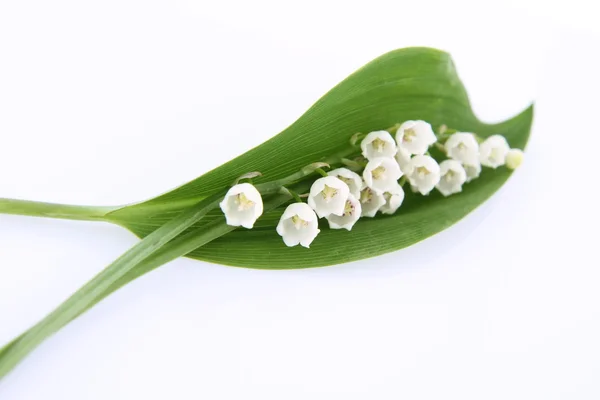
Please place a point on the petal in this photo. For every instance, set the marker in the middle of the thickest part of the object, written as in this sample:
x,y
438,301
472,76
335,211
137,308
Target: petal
x,y
333,182
281,226
224,205
308,239
317,187
291,240
296,209
248,224
514,158
232,220
346,173
338,205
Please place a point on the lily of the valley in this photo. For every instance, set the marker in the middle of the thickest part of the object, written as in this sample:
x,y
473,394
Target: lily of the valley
x,y
393,200
514,158
493,151
370,202
415,136
242,205
350,178
472,170
452,177
378,144
381,174
328,195
402,157
463,147
423,173
298,225
351,214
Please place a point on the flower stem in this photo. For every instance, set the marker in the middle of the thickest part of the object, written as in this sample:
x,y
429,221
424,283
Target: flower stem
x,y
321,172
291,193
93,290
53,210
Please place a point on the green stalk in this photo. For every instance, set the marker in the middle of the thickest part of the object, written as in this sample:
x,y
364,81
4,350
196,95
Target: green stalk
x,y
93,290
53,210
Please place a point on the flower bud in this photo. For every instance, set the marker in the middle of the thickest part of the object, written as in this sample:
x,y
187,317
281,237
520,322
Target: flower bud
x,y
514,158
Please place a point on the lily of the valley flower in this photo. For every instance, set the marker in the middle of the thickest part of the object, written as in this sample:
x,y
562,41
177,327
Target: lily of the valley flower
x,y
423,173
328,195
393,200
370,202
381,174
378,144
452,177
514,158
473,170
298,225
463,147
352,212
493,151
415,136
350,178
402,157
242,205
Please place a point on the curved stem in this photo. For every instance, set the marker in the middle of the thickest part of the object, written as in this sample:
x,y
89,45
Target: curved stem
x,y
53,210
93,290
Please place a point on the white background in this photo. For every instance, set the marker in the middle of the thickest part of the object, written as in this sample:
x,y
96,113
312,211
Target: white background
x,y
116,101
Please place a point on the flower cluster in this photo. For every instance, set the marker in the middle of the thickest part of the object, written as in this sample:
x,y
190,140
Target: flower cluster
x,y
342,196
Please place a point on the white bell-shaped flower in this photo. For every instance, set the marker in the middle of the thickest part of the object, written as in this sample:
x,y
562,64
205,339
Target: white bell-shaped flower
x,y
328,195
452,177
514,158
393,200
493,151
242,205
403,158
352,212
381,174
423,173
415,136
378,144
298,225
473,170
370,201
463,147
350,178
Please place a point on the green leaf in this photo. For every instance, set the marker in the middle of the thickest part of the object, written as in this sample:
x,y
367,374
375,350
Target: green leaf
x,y
413,83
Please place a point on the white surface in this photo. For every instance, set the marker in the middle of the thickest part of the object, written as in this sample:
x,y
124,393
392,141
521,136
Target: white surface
x,y
116,101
